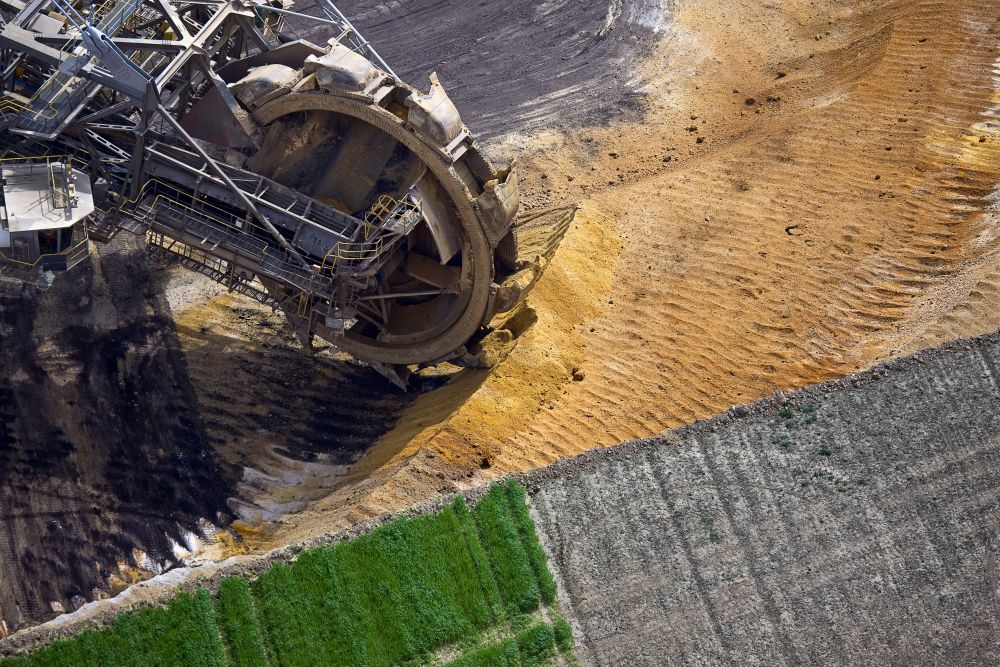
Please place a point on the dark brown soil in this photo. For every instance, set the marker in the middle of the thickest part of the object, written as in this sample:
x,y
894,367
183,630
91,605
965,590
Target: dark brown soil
x,y
521,65
102,450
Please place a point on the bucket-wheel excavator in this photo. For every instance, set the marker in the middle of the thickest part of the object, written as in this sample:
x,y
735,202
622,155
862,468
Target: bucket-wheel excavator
x,y
306,176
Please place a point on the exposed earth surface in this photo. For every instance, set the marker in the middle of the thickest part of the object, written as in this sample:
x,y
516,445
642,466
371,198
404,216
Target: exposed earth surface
x,y
851,523
733,198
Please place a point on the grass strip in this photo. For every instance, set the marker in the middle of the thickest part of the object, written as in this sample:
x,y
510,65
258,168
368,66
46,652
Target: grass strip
x,y
478,555
516,580
500,654
238,623
563,635
526,527
536,645
183,633
388,597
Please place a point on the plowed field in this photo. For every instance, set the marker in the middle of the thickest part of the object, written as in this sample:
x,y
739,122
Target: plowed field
x,y
853,523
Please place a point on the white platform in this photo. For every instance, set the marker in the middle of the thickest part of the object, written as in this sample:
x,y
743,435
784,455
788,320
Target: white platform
x,y
30,203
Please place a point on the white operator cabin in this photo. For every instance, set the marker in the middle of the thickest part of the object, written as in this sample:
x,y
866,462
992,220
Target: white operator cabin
x,y
43,210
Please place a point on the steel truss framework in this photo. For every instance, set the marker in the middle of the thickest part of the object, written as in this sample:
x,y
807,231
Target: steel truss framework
x,y
146,96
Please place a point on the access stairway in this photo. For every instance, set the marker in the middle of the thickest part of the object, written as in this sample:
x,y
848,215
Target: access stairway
x,y
203,262
61,99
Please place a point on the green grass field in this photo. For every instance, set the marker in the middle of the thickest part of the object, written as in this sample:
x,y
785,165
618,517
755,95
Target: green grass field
x,y
459,588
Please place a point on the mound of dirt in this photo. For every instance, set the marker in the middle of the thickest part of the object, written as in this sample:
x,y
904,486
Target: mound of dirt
x,y
291,421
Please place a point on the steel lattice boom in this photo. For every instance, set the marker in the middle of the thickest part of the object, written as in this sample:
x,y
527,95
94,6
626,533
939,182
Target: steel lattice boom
x,y
306,176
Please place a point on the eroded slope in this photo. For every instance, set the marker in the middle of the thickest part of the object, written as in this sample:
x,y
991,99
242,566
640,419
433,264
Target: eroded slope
x,y
809,192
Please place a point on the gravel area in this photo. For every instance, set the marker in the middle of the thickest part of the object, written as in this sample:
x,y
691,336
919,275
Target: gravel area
x,y
854,522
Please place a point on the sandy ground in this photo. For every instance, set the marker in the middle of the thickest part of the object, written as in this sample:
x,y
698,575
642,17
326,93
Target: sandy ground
x,y
758,196
850,523
808,191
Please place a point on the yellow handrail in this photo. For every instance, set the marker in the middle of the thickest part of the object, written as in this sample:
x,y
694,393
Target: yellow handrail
x,y
47,157
359,251
10,104
380,210
32,265
348,251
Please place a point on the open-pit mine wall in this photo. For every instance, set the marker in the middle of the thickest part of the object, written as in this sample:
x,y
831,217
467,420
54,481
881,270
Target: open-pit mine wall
x,y
103,455
803,190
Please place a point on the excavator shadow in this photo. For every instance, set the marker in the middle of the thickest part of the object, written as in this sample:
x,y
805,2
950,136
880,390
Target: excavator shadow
x,y
302,425
104,468
294,422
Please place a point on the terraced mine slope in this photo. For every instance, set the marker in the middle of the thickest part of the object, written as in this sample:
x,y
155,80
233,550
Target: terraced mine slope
x,y
458,588
852,523
103,456
803,190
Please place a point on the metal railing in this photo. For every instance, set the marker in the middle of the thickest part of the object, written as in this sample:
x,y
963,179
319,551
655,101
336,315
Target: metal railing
x,y
348,34
183,213
64,92
63,196
39,164
58,261
350,255
215,268
380,228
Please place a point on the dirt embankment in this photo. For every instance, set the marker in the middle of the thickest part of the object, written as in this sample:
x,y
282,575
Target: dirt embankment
x,y
103,458
807,192
853,522
849,522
